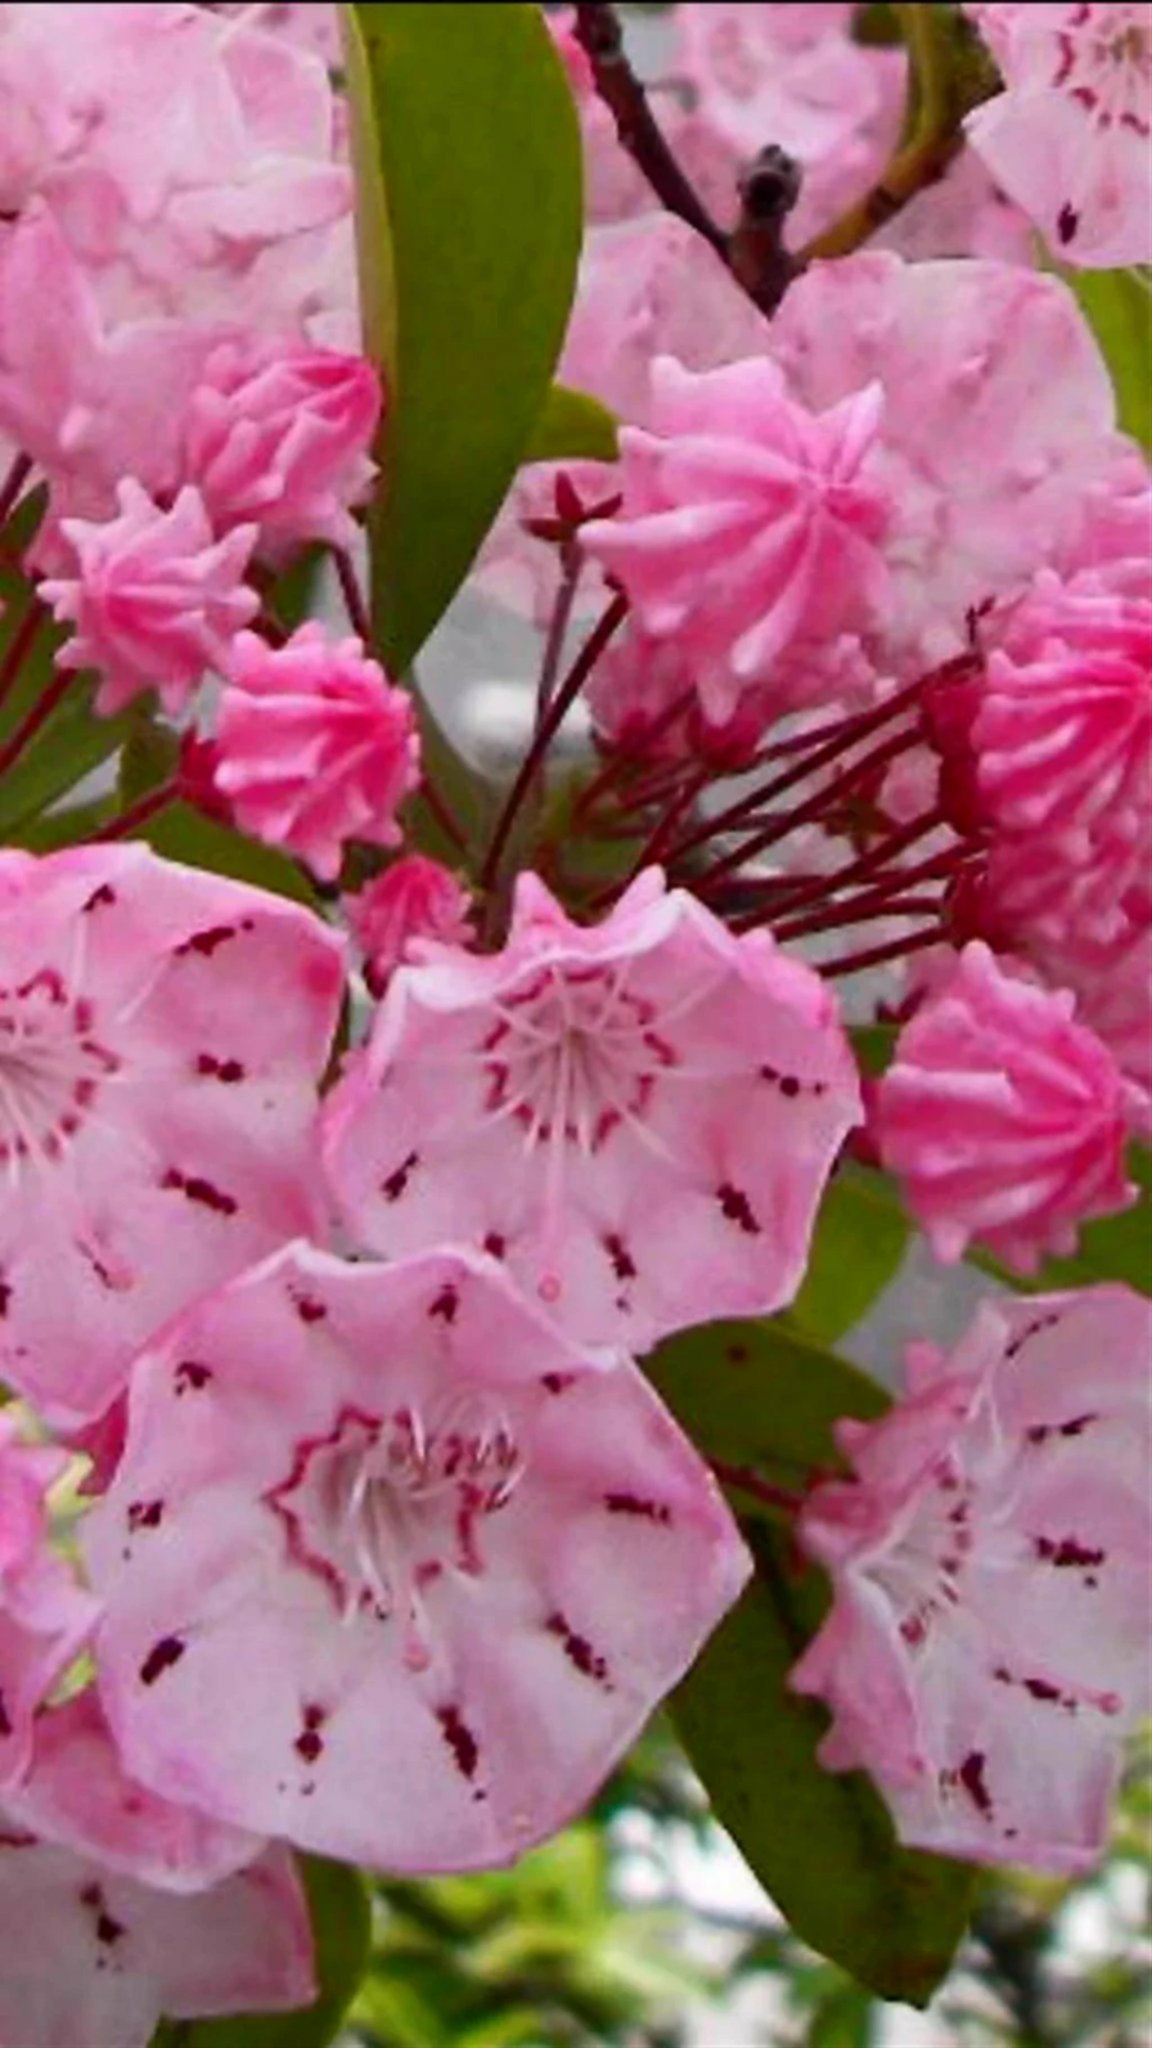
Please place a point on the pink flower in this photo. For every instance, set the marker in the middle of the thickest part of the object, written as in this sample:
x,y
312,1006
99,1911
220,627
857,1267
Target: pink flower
x,y
416,898
792,75
98,1941
155,1120
91,402
1003,1116
316,747
155,599
749,525
44,1616
985,1655
278,438
417,1568
1069,139
638,1116
997,431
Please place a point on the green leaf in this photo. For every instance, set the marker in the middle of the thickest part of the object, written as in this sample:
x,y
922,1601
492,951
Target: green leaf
x,y
857,1249
341,1929
573,424
69,745
184,834
469,193
760,1393
1118,307
1114,1248
822,1844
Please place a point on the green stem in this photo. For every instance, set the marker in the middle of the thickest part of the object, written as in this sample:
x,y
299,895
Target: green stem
x,y
933,139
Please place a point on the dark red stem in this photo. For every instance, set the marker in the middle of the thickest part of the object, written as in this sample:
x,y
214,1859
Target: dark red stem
x,y
147,807
571,561
354,604
750,1482
562,701
815,806
14,483
54,690
875,956
847,735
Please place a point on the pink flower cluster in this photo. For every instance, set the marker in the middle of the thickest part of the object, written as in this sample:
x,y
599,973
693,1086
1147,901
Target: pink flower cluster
x,y
323,1299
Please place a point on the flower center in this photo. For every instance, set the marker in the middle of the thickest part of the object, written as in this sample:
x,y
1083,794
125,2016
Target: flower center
x,y
920,1573
383,1506
573,1056
51,1068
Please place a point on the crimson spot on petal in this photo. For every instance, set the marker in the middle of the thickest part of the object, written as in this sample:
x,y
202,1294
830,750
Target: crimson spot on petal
x,y
161,1657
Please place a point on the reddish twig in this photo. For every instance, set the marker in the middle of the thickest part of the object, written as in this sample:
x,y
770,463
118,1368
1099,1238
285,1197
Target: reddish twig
x,y
562,701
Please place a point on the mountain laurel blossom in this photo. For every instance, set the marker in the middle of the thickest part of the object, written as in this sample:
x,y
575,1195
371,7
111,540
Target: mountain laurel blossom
x,y
638,1116
155,1121
985,1654
414,1567
393,1111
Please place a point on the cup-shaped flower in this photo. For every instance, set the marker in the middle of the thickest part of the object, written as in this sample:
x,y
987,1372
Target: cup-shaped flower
x,y
155,599
391,1568
156,1118
1003,1115
45,1617
1069,138
986,1650
98,1942
639,1115
749,524
315,746
278,437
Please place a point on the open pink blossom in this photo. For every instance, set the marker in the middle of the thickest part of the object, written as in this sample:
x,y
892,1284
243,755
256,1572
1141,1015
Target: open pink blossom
x,y
986,1651
155,1119
749,525
1069,138
91,401
416,898
639,1115
1003,1115
315,746
44,1615
155,598
191,162
278,437
392,1568
998,429
95,1956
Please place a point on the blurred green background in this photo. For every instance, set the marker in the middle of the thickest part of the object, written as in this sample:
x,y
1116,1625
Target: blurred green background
x,y
639,1927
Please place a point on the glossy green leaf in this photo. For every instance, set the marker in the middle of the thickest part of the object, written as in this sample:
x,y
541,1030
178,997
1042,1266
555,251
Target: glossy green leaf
x,y
573,424
341,1929
821,1843
469,183
68,746
760,1394
857,1249
184,834
1118,307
